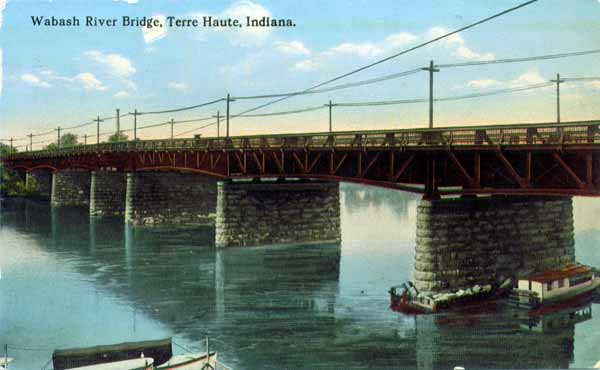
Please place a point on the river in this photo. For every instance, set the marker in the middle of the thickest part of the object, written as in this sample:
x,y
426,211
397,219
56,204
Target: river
x,y
71,281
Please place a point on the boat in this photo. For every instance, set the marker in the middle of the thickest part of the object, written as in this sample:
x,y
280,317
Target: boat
x,y
135,364
159,350
4,361
193,361
408,299
554,287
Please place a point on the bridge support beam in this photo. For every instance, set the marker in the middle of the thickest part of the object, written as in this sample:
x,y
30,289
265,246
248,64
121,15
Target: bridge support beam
x,y
170,198
71,187
39,183
107,193
267,213
467,242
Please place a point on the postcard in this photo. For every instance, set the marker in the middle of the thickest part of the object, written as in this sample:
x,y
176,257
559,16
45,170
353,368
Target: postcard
x,y
261,184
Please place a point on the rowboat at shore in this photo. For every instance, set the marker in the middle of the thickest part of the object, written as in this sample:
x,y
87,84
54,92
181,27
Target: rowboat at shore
x,y
4,361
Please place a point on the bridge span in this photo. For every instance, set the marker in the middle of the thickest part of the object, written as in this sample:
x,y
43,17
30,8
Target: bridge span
x,y
524,159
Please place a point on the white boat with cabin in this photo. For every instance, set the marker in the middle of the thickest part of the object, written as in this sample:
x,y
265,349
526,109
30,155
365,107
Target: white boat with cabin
x,y
554,286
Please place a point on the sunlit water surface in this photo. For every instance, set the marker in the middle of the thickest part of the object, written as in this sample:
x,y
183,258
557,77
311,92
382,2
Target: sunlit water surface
x,y
68,281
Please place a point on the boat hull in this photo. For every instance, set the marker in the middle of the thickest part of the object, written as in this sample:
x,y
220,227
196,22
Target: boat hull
x,y
195,361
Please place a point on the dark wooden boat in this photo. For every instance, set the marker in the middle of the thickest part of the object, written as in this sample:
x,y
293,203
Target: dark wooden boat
x,y
159,350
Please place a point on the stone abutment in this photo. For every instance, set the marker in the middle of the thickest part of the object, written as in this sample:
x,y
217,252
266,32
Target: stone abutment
x,y
107,193
169,198
71,187
38,182
464,242
265,213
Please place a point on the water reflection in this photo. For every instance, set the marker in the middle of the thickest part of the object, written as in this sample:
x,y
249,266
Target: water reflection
x,y
303,307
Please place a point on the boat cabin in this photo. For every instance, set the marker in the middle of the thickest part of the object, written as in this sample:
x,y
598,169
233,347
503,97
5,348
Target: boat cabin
x,y
553,284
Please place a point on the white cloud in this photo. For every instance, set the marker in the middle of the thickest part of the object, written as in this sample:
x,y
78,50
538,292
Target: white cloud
x,y
293,48
306,65
178,86
127,1
122,94
400,39
117,64
527,78
34,80
89,82
457,43
483,83
155,33
362,50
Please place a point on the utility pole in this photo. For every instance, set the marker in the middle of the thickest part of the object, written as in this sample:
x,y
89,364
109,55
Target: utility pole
x,y
135,114
228,100
58,138
98,120
172,123
330,105
11,144
431,69
558,82
218,117
118,123
30,142
85,139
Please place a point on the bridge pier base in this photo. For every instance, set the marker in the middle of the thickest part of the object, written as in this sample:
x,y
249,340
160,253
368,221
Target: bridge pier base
x,y
71,187
169,198
267,213
39,183
464,242
107,193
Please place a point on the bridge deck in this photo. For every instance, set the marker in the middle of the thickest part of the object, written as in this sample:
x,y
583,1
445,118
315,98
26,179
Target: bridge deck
x,y
546,158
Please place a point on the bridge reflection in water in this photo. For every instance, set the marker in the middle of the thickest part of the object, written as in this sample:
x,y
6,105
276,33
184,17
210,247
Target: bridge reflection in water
x,y
300,307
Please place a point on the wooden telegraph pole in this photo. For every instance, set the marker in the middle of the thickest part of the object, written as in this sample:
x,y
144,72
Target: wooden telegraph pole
x,y
558,82
172,123
330,112
58,138
218,117
135,114
431,70
98,120
228,100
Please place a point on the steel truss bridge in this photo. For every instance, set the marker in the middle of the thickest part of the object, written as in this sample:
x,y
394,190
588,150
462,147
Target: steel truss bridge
x,y
560,159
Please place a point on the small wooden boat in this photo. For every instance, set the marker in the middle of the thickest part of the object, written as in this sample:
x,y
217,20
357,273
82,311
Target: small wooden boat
x,y
194,361
554,287
135,364
160,350
4,361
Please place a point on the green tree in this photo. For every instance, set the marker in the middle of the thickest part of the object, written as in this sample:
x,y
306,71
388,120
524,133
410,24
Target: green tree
x,y
11,183
117,137
66,141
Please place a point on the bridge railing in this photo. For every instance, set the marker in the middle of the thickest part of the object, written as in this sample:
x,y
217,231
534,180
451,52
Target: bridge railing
x,y
583,132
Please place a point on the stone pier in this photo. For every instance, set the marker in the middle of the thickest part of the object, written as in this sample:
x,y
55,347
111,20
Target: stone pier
x,y
107,193
170,198
38,182
71,187
464,242
264,213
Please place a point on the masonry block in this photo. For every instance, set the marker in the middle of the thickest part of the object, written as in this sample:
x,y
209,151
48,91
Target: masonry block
x,y
71,187
107,193
267,213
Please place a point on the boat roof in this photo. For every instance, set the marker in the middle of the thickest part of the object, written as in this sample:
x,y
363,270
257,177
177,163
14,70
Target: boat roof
x,y
8,361
571,270
135,364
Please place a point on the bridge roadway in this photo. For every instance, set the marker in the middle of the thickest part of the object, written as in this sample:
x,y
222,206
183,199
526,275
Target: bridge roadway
x,y
523,159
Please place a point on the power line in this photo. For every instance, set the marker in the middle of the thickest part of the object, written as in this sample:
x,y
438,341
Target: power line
x,y
184,108
333,88
196,129
309,109
423,44
516,60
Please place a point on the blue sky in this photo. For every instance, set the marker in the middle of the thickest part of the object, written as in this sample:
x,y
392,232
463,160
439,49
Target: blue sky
x,y
65,76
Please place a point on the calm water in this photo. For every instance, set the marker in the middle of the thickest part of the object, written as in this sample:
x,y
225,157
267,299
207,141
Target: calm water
x,y
68,281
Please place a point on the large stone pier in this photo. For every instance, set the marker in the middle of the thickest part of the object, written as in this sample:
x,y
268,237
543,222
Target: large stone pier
x,y
71,187
107,193
170,198
39,183
263,213
463,242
